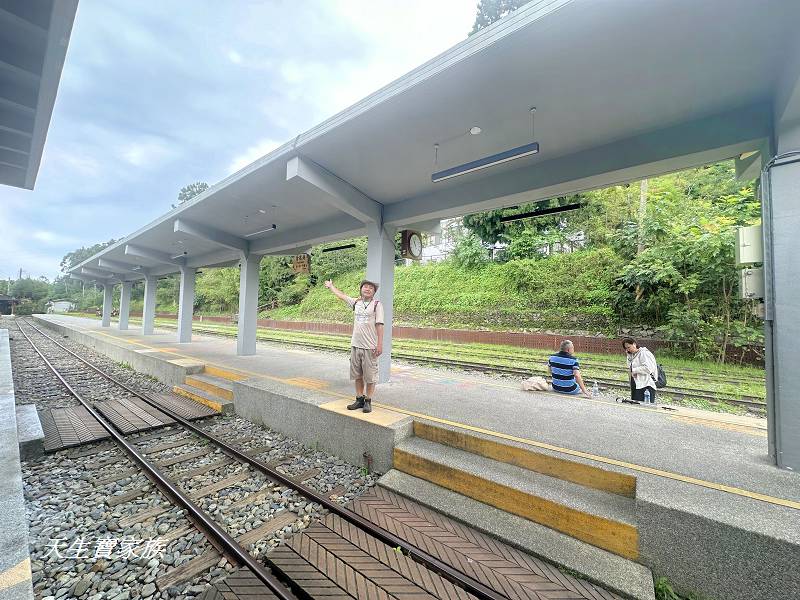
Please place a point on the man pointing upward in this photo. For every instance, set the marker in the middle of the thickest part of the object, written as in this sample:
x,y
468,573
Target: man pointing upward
x,y
366,343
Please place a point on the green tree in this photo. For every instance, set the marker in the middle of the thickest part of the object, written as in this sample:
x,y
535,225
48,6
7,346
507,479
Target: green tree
x,y
190,191
217,290
76,257
490,11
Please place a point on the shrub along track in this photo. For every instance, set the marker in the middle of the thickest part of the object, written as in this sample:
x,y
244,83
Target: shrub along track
x,y
232,548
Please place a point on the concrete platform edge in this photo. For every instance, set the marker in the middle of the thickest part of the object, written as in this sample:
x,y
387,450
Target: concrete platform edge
x,y
15,568
297,413
149,363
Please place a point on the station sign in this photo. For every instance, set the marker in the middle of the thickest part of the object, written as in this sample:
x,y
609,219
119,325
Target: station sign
x,y
301,263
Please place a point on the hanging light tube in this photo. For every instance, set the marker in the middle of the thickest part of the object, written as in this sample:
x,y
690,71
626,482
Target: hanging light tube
x,y
335,248
541,212
486,162
259,232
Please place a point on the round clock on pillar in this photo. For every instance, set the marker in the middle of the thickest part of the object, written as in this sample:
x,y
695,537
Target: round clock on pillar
x,y
411,245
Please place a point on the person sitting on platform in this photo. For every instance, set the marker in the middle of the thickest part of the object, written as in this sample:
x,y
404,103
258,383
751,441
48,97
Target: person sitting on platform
x,y
366,343
643,371
566,371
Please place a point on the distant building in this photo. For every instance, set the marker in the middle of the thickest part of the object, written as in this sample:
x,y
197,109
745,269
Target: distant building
x,y
7,304
60,306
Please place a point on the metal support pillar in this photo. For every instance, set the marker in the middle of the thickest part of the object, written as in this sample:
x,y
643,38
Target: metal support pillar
x,y
186,305
149,309
124,305
782,278
248,304
108,290
380,269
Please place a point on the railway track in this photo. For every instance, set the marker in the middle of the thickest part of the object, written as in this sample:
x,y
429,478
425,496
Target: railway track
x,y
751,403
182,493
523,354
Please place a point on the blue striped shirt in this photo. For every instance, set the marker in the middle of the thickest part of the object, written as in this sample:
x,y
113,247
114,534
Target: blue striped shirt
x,y
563,366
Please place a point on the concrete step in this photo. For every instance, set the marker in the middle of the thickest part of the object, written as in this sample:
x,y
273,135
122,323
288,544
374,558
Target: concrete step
x,y
615,573
222,373
29,432
540,460
599,518
203,397
216,386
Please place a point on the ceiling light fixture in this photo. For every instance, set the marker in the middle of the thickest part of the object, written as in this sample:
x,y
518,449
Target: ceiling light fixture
x,y
262,211
486,162
489,161
268,229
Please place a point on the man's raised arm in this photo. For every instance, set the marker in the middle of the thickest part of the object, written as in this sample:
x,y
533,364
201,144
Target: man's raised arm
x,y
337,292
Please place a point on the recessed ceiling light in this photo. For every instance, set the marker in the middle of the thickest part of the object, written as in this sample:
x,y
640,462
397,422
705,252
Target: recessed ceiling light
x,y
475,130
262,211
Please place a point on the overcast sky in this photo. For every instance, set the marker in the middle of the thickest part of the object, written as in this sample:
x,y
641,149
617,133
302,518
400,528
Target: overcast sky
x,y
160,93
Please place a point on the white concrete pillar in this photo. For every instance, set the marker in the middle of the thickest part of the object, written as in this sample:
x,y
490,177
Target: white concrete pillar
x,y
186,305
124,305
108,290
149,308
380,269
248,305
781,222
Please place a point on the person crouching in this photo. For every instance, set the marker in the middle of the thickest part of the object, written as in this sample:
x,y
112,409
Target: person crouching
x,y
565,371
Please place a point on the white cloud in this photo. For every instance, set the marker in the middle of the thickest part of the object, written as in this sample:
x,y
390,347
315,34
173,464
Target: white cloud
x,y
252,154
136,118
146,152
52,238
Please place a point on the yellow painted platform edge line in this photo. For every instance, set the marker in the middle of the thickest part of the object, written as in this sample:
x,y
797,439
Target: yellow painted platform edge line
x,y
716,418
609,461
209,387
579,473
622,405
603,532
205,401
17,574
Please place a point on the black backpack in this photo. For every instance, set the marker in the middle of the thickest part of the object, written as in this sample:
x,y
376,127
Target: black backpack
x,y
661,380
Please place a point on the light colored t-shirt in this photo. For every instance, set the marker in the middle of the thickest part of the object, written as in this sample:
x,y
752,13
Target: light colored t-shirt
x,y
365,317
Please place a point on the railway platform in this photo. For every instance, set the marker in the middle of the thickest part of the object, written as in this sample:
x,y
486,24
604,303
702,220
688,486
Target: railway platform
x,y
606,489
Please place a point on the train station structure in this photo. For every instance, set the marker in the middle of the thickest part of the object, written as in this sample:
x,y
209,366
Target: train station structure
x,y
462,483
615,100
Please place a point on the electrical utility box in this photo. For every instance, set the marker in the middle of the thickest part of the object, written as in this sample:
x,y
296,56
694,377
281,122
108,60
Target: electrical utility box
x,y
749,246
751,283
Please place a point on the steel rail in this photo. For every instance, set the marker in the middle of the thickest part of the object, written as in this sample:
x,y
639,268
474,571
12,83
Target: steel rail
x,y
678,372
456,577
209,527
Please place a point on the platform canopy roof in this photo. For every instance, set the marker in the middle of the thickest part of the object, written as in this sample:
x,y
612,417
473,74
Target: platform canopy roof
x,y
623,89
34,35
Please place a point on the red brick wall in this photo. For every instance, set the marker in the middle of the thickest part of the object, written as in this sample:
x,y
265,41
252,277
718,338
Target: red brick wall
x,y
544,341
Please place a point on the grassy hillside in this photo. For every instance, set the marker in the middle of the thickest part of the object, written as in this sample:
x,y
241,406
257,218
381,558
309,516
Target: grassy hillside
x,y
567,291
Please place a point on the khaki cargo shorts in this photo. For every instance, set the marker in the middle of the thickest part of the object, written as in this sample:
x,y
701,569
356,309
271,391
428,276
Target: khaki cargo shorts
x,y
363,365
